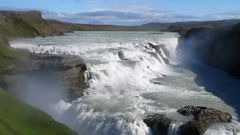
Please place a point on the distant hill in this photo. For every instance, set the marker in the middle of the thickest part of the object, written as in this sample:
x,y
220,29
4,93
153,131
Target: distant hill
x,y
185,26
31,23
25,23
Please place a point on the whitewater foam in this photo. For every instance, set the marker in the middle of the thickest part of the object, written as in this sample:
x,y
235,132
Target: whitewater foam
x,y
122,92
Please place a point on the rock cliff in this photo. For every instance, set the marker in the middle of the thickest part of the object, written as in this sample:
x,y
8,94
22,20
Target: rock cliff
x,y
216,47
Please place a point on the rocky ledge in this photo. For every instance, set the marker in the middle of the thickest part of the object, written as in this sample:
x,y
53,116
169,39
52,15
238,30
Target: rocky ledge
x,y
203,118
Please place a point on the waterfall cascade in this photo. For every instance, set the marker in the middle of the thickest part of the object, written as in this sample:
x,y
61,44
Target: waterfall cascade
x,y
131,77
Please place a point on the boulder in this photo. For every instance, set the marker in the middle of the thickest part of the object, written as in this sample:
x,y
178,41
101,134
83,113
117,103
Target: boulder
x,y
158,123
192,128
203,118
121,55
207,115
190,110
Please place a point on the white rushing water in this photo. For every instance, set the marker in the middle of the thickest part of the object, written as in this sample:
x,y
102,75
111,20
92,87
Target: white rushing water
x,y
122,92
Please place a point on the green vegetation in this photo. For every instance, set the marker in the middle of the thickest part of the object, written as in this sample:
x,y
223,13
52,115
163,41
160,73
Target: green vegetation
x,y
7,56
17,118
16,26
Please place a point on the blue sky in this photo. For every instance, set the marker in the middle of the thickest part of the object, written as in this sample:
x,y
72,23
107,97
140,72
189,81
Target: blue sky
x,y
129,12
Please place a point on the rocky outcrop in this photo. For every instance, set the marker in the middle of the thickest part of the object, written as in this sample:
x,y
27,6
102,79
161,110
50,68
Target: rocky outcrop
x,y
71,70
203,118
158,123
216,47
208,115
121,55
158,49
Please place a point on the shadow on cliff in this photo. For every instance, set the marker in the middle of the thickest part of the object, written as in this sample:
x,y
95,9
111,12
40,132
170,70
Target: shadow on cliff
x,y
218,83
217,48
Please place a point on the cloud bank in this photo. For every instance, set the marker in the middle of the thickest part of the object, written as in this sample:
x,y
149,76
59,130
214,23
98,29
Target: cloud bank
x,y
134,18
119,17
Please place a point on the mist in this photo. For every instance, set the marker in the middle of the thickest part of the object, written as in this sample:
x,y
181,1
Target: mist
x,y
42,89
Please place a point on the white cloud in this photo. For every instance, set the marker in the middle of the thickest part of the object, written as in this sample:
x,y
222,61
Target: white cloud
x,y
136,17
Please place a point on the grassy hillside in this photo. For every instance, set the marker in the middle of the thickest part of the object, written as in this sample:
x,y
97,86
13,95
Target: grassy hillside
x,y
17,118
7,57
24,24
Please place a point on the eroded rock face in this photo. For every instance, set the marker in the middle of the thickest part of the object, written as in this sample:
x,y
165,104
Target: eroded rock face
x,y
203,118
74,78
158,48
159,123
218,48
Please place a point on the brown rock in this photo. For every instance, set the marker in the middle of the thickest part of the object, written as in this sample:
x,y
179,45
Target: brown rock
x,y
203,118
158,123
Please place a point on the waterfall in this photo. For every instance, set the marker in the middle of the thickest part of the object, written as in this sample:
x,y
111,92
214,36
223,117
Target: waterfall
x,y
132,75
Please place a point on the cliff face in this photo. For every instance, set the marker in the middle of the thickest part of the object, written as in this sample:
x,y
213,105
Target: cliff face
x,y
216,47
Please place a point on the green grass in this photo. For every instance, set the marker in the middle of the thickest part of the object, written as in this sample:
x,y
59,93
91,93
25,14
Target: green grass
x,y
24,28
17,118
7,56
18,27
6,52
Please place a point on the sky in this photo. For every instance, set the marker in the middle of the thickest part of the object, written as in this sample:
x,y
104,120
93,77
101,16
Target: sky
x,y
129,12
